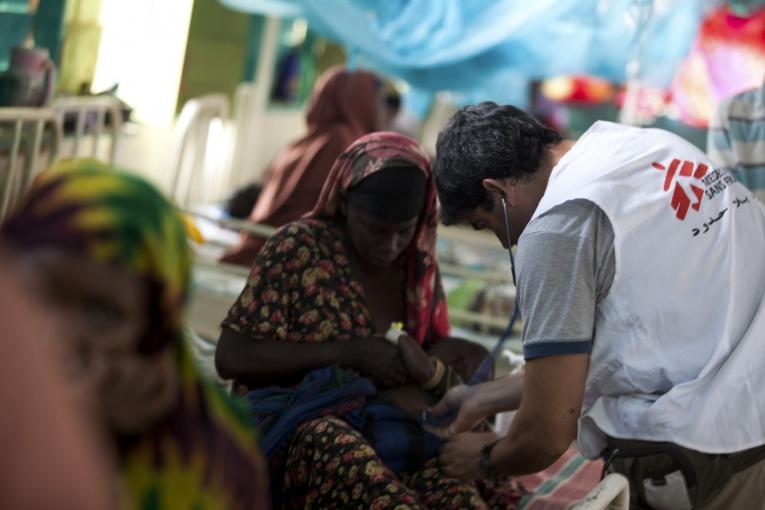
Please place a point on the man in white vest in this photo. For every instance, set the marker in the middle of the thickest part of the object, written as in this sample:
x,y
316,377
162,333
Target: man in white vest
x,y
641,284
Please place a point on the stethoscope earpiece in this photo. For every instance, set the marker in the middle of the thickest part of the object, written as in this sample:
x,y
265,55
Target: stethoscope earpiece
x,y
507,231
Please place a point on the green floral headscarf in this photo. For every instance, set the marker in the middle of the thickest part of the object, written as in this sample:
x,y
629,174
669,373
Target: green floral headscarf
x,y
89,208
204,455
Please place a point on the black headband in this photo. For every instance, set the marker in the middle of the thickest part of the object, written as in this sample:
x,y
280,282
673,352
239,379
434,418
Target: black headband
x,y
395,193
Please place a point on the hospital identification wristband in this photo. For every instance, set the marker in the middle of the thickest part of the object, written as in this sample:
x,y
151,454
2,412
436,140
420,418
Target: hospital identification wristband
x,y
394,332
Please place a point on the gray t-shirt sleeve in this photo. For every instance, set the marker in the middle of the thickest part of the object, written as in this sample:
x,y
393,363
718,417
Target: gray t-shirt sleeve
x,y
565,268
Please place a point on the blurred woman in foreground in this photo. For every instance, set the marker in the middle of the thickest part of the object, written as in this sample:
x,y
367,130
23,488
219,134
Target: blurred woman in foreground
x,y
109,257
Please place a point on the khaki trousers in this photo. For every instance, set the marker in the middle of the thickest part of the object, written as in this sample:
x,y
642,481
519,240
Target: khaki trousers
x,y
744,491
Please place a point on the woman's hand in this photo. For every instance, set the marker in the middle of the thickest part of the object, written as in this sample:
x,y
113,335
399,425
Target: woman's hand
x,y
417,362
379,359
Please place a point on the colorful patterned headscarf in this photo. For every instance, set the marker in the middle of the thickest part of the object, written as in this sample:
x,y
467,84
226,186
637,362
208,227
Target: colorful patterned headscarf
x,y
427,315
204,454
89,208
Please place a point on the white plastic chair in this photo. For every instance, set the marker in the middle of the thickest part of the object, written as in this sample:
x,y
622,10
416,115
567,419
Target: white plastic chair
x,y
202,149
612,493
18,174
100,106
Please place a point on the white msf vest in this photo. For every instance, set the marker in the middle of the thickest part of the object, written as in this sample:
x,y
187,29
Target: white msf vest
x,y
679,345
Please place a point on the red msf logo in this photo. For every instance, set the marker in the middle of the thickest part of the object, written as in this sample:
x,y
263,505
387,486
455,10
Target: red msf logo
x,y
680,199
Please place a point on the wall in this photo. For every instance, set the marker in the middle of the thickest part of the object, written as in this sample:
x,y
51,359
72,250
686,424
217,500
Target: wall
x,y
49,26
17,17
79,53
215,51
14,25
261,137
142,48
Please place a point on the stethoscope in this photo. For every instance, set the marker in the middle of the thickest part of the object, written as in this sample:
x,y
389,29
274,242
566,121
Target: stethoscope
x,y
482,372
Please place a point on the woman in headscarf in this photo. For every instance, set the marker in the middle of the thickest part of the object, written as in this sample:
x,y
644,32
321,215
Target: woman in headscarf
x,y
344,106
109,257
322,293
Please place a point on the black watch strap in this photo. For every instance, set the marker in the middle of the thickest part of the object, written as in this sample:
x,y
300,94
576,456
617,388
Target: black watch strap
x,y
485,459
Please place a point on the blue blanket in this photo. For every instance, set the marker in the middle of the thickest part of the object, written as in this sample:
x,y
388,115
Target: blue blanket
x,y
399,440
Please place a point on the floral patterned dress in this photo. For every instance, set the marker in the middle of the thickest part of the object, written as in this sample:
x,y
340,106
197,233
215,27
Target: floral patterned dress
x,y
303,288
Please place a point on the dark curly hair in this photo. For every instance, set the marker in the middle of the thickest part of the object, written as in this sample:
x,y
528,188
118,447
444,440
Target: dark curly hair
x,y
486,141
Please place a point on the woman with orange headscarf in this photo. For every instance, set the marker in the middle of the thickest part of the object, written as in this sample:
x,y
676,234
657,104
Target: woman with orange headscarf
x,y
344,106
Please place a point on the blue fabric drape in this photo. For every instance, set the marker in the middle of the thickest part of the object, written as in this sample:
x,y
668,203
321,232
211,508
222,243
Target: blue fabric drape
x,y
490,49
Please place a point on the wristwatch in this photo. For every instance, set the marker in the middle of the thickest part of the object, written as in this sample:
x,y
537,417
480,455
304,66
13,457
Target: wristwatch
x,y
484,461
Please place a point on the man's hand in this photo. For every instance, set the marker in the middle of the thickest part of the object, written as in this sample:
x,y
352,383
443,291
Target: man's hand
x,y
463,404
461,456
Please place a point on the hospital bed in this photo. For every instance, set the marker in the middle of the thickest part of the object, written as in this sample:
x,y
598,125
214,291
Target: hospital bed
x,y
29,141
97,126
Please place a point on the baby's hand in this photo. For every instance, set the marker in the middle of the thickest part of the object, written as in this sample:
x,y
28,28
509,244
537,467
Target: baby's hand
x,y
418,364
